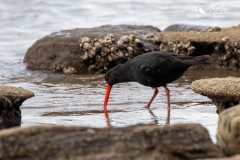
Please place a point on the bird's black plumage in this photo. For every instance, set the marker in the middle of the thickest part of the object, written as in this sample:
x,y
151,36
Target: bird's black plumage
x,y
152,69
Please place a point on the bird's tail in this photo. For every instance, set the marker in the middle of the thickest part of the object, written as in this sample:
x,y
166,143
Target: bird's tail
x,y
205,59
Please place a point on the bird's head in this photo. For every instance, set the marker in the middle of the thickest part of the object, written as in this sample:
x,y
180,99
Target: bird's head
x,y
112,77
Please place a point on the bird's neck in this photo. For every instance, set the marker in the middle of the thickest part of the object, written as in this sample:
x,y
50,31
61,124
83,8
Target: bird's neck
x,y
124,74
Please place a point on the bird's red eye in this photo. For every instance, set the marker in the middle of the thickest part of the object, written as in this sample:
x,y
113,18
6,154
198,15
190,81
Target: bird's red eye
x,y
106,78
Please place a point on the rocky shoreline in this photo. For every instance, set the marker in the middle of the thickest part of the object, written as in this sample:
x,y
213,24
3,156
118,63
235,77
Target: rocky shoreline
x,y
95,50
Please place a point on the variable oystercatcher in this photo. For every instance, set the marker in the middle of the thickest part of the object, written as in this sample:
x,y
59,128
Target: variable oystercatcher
x,y
153,69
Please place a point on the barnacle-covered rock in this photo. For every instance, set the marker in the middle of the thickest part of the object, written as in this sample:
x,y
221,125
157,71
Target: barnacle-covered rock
x,y
78,50
110,51
212,29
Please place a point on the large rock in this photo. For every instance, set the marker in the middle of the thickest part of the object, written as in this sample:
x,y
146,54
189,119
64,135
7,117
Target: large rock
x,y
224,92
228,133
175,142
83,50
11,98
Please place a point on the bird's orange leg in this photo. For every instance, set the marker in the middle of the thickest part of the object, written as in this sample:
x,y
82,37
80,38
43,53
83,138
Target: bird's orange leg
x,y
151,100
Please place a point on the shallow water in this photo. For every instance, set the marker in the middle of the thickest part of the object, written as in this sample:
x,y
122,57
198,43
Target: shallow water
x,y
78,99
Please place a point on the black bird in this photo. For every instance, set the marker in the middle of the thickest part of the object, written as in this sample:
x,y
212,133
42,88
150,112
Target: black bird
x,y
153,69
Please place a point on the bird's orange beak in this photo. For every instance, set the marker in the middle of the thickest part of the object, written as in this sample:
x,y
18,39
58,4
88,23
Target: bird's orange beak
x,y
108,90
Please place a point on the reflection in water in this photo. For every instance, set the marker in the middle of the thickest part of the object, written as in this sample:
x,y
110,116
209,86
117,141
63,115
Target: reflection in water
x,y
147,106
107,117
154,117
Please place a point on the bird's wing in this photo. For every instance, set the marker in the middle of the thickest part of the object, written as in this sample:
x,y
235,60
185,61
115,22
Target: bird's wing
x,y
160,65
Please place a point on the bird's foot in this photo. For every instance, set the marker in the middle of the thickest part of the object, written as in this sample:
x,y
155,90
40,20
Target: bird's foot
x,y
147,106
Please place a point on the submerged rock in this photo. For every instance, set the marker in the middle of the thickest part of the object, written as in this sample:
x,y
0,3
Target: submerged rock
x,y
224,92
228,137
175,142
11,98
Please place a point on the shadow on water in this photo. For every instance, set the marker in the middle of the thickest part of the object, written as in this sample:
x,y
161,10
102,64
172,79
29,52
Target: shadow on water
x,y
77,113
192,75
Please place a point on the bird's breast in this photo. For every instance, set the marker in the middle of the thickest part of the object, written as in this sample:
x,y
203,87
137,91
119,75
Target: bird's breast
x,y
150,81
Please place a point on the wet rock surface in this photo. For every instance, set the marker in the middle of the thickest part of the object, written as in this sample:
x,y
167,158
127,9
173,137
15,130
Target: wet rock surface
x,y
228,137
179,141
224,92
11,98
95,50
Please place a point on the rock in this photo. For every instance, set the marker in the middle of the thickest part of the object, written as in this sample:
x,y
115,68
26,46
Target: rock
x,y
228,132
11,98
74,51
184,28
213,41
224,92
175,142
212,29
236,157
